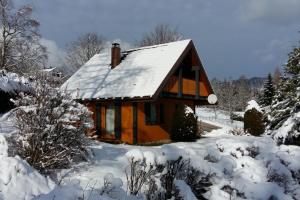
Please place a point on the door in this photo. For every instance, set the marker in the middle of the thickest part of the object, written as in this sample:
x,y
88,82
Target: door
x,y
110,120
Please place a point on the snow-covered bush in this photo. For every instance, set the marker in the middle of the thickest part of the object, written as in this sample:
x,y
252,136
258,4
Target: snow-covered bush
x,y
253,119
51,128
139,172
112,187
184,124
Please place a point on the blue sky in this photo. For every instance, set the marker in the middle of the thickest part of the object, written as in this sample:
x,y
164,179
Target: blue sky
x,y
233,37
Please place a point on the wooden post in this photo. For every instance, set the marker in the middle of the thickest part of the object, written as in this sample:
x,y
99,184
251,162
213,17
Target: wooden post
x,y
180,82
135,122
196,69
197,83
118,120
98,119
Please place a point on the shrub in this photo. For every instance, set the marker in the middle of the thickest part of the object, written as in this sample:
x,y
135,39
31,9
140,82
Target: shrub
x,y
184,125
51,128
253,122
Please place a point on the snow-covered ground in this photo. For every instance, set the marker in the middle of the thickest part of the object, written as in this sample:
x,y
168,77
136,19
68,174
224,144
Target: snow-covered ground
x,y
241,167
218,117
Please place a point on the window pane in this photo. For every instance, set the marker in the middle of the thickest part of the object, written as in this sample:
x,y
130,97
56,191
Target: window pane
x,y
110,120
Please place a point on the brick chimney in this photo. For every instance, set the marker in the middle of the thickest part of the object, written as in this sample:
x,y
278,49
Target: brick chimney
x,y
115,55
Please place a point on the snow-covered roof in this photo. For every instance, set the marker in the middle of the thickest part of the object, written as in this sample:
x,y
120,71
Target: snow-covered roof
x,y
48,69
13,83
139,74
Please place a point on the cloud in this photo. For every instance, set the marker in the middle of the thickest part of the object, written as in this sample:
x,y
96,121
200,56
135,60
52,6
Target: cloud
x,y
55,54
273,51
274,11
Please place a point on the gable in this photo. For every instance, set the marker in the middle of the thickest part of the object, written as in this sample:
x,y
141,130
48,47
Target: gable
x,y
189,63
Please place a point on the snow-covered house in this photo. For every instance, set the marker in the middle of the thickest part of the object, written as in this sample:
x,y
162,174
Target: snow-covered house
x,y
134,93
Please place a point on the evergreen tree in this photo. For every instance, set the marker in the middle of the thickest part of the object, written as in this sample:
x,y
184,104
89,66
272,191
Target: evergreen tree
x,y
284,114
268,92
184,125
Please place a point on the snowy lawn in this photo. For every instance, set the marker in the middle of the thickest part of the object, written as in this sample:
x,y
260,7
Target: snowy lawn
x,y
218,117
240,167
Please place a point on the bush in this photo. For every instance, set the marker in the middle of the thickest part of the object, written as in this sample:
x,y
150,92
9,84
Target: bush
x,y
51,128
184,125
253,122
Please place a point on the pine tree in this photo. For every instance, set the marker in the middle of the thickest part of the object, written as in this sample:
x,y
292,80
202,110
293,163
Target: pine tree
x,y
284,115
268,92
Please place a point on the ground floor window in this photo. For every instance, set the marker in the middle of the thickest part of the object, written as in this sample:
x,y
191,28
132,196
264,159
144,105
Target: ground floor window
x,y
110,119
150,113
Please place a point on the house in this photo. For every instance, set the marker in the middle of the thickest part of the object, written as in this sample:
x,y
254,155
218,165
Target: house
x,y
134,93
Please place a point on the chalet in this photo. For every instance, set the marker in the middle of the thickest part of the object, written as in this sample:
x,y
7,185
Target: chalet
x,y
134,93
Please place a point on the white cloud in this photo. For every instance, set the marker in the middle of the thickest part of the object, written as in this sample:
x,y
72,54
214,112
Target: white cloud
x,y
275,11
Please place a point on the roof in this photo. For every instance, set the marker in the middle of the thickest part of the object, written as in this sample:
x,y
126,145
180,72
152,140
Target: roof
x,y
140,73
13,83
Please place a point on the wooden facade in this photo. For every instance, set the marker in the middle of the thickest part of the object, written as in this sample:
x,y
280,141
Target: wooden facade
x,y
143,120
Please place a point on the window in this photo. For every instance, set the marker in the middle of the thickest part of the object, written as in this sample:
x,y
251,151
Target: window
x,y
150,113
110,120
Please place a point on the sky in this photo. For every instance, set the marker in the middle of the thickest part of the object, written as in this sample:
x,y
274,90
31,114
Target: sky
x,y
232,37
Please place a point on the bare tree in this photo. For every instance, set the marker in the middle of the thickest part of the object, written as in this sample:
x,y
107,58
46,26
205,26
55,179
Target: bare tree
x,y
162,33
277,76
83,49
20,48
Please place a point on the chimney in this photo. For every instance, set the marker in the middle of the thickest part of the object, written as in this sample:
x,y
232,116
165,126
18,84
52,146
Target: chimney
x,y
115,55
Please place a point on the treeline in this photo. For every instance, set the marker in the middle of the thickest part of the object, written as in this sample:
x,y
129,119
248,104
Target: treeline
x,y
233,94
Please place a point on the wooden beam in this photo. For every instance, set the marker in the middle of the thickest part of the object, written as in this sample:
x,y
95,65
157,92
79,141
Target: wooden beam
x,y
197,83
135,123
98,118
180,82
118,120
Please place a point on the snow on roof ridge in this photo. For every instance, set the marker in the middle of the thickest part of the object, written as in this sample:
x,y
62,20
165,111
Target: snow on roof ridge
x,y
155,46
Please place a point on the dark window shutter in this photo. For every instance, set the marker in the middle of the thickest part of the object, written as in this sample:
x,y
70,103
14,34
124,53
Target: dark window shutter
x,y
98,119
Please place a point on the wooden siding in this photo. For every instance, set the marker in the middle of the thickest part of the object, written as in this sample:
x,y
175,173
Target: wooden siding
x,y
172,85
127,123
158,132
145,133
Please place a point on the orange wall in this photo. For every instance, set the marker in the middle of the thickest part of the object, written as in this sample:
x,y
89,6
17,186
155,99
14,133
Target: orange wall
x,y
188,86
127,123
158,132
146,133
203,86
172,85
